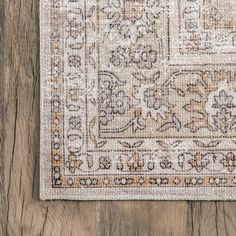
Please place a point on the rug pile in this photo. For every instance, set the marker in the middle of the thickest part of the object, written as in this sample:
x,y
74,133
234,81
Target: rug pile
x,y
138,99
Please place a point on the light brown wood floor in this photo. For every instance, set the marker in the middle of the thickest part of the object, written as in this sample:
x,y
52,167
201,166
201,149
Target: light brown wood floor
x,y
21,211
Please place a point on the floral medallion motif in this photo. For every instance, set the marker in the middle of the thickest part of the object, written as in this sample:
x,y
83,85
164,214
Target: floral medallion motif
x,y
144,57
153,98
132,18
221,108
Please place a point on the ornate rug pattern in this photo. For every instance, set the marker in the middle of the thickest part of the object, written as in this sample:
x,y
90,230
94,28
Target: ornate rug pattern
x,y
138,99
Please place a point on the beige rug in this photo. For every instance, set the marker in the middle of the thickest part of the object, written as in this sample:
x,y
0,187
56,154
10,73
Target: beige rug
x,y
138,99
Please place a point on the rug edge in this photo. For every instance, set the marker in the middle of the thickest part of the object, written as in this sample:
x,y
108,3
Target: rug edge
x,y
181,194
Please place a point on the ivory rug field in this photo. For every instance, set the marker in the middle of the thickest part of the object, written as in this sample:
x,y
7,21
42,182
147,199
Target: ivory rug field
x,y
138,99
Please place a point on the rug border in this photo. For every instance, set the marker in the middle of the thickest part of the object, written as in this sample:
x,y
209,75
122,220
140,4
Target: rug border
x,y
154,194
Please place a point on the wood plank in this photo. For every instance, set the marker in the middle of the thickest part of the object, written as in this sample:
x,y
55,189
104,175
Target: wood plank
x,y
3,206
144,218
211,218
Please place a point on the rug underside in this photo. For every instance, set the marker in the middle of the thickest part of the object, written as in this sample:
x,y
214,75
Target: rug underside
x,y
138,99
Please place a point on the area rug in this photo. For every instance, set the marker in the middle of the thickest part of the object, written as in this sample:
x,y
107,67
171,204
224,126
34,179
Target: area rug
x,y
138,99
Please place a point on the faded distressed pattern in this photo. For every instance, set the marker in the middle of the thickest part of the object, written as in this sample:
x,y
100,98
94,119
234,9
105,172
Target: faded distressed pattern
x,y
138,99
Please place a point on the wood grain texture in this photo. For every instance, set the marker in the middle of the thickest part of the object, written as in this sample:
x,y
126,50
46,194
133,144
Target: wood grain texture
x,y
3,207
21,211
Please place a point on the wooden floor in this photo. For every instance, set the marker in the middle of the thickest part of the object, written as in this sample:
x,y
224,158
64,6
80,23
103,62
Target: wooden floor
x,y
21,211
